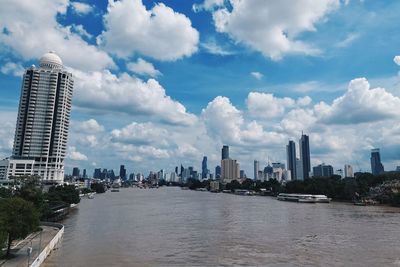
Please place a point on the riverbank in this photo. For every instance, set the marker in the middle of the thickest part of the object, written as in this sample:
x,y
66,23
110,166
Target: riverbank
x,y
42,244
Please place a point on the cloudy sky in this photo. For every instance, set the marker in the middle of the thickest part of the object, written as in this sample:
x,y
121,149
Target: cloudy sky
x,y
159,83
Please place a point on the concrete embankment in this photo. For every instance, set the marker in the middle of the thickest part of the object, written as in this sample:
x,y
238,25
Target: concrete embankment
x,y
50,246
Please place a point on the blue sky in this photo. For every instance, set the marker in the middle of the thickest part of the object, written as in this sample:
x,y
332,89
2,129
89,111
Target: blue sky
x,y
159,83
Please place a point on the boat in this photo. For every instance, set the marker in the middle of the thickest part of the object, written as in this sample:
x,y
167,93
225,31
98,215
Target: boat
x,y
114,190
321,199
91,196
300,198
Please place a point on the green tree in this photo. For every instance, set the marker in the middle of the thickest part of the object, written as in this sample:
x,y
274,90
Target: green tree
x,y
98,188
66,193
18,218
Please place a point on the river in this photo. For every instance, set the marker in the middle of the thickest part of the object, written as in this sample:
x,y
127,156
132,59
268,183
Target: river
x,y
174,227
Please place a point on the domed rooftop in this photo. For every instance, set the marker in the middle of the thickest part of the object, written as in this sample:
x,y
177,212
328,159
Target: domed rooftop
x,y
50,60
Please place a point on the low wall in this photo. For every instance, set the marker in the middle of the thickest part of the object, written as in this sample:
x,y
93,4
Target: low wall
x,y
53,244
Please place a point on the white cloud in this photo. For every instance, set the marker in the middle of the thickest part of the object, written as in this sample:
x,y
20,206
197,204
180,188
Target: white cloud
x,y
360,104
89,126
212,47
396,60
12,68
160,33
267,106
73,154
143,67
32,30
81,31
128,94
350,38
271,27
141,133
81,8
257,75
304,101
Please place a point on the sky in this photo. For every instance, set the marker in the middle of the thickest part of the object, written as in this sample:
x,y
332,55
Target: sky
x,y
164,83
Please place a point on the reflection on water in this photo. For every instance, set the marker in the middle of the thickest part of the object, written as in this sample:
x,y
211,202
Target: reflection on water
x,y
173,227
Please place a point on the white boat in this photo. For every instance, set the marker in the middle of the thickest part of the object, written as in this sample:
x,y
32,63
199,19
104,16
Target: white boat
x,y
301,198
321,198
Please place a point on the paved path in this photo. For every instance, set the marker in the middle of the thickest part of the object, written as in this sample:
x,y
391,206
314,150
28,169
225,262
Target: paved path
x,y
36,240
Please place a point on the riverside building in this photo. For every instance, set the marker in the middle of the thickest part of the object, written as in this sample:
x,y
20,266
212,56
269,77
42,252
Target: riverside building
x,y
43,118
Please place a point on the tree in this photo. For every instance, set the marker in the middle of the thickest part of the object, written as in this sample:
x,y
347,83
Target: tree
x,y
98,188
66,193
18,218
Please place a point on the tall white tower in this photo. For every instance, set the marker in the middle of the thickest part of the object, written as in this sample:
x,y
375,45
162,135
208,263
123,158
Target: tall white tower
x,y
43,117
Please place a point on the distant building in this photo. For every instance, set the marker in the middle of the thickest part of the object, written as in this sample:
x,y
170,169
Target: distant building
x,y
323,170
214,186
299,170
277,165
225,152
398,169
230,169
291,158
376,164
217,172
97,173
242,174
84,175
256,169
304,145
75,172
122,172
204,170
348,171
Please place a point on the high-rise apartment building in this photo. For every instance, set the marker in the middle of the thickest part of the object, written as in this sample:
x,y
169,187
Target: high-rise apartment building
x,y
230,170
225,152
256,169
43,117
376,164
305,156
291,158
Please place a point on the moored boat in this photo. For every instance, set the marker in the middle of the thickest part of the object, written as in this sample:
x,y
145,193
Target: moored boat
x,y
303,198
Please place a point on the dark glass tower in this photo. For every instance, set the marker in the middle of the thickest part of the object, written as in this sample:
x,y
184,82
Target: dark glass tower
x,y
225,152
291,158
376,164
204,170
305,155
122,172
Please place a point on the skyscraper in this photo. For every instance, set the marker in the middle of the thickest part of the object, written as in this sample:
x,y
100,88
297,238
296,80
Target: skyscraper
x,y
323,170
217,172
230,170
256,169
43,117
291,158
75,172
305,155
204,170
376,164
122,172
225,152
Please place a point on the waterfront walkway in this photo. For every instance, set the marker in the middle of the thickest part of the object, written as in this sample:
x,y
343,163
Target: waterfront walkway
x,y
37,241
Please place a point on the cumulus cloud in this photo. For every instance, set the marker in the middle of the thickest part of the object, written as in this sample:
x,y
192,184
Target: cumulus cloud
x,y
143,67
81,8
271,27
128,94
266,105
89,126
73,154
160,33
212,47
396,60
141,133
15,69
359,104
79,29
30,29
257,75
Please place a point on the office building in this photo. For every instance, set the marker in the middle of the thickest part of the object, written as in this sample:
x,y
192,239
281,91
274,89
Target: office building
x,y
217,172
323,170
75,172
122,172
291,158
41,132
299,170
230,169
204,170
97,174
10,168
348,171
225,152
84,175
305,156
242,174
376,164
256,169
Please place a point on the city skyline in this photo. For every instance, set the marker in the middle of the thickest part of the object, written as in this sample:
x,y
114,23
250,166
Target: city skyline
x,y
151,108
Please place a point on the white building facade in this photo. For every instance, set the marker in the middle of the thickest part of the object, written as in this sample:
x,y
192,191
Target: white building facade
x,y
15,167
43,118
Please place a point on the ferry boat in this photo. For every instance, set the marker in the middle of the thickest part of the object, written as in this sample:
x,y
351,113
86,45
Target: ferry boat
x,y
303,198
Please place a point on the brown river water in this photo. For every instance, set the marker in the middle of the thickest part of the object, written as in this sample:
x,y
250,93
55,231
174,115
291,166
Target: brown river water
x,y
174,227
